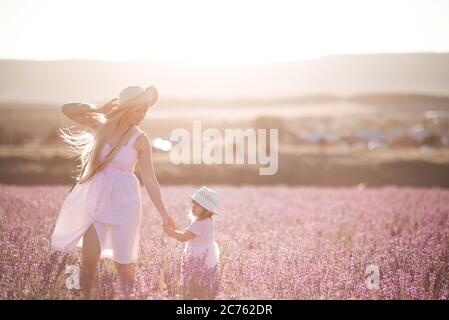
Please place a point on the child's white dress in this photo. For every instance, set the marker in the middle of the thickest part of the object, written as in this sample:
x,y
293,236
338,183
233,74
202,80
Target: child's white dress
x,y
200,269
203,245
111,201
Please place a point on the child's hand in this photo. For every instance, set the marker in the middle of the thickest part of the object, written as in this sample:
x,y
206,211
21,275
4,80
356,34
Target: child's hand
x,y
168,229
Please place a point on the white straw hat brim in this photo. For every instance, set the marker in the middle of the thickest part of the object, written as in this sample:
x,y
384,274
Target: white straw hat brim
x,y
138,95
204,204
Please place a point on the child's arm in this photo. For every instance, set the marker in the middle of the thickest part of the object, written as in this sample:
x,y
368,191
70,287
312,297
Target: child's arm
x,y
178,235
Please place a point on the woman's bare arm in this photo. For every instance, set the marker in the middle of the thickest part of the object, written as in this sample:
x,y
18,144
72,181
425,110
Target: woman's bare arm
x,y
146,169
77,112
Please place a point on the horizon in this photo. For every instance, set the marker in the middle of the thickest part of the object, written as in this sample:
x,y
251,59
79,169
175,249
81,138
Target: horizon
x,y
230,63
411,73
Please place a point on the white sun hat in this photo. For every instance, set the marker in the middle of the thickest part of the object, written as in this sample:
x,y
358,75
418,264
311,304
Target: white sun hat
x,y
207,198
138,95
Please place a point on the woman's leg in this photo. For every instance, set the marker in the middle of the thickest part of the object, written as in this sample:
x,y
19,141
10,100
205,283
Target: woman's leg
x,y
90,257
126,277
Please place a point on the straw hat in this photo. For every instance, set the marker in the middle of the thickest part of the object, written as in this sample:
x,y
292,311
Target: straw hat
x,y
207,198
137,95
131,96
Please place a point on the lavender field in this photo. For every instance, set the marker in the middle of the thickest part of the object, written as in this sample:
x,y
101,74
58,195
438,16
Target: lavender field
x,y
276,243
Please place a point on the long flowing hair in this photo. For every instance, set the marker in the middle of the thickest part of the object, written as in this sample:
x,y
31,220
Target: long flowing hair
x,y
87,146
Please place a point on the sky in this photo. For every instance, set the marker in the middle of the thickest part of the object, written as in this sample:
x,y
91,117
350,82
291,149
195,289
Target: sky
x,y
219,31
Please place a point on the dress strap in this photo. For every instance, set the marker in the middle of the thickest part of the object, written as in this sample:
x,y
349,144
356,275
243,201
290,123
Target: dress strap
x,y
133,138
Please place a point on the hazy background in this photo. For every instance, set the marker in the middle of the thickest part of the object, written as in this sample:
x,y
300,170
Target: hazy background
x,y
359,90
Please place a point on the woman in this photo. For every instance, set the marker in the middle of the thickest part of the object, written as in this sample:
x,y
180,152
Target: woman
x,y
102,213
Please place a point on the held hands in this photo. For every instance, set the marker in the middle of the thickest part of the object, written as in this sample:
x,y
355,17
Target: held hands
x,y
169,230
169,225
169,221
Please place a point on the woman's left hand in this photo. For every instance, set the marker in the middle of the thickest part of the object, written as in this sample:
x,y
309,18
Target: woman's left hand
x,y
109,106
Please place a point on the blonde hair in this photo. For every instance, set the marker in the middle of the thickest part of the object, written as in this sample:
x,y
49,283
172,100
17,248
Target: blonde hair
x,y
88,146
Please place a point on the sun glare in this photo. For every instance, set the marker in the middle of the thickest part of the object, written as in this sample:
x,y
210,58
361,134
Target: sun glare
x,y
218,32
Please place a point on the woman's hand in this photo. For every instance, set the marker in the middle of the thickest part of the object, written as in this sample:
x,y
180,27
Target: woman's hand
x,y
109,106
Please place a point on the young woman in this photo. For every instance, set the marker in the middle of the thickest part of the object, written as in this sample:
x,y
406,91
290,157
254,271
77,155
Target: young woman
x,y
102,212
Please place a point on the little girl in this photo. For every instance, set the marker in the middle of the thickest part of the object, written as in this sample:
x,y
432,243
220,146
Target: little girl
x,y
199,270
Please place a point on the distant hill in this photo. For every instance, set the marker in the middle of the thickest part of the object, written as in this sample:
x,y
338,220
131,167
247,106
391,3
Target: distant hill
x,y
340,75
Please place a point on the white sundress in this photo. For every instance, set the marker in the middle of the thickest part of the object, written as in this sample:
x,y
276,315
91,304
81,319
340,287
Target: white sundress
x,y
111,201
200,262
